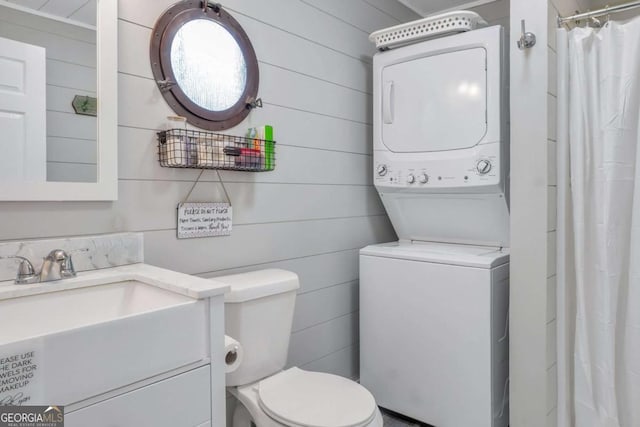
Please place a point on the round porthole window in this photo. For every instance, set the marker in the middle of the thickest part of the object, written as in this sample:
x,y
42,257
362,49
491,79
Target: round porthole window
x,y
204,64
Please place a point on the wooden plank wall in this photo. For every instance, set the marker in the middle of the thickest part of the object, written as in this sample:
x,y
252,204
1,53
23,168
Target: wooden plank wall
x,y
311,215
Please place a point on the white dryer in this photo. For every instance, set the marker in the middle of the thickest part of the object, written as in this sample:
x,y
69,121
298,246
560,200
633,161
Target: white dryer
x,y
440,138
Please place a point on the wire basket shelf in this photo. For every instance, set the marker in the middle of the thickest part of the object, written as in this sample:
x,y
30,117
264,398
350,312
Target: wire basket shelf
x,y
184,148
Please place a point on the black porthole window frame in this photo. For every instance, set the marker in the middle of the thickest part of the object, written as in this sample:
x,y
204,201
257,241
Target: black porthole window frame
x,y
162,37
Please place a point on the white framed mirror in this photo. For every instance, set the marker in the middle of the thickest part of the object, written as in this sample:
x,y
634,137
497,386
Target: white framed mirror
x,y
58,100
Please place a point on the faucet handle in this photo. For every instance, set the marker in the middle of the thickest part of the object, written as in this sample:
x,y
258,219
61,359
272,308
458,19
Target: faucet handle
x,y
26,273
66,268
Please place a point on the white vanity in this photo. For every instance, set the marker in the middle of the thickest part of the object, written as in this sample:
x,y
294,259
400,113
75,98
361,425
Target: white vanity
x,y
130,345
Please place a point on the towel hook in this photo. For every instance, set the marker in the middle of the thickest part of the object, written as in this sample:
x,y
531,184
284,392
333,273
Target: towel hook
x,y
527,39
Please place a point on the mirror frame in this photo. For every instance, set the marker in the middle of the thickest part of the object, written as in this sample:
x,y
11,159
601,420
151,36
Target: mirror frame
x,y
164,31
106,185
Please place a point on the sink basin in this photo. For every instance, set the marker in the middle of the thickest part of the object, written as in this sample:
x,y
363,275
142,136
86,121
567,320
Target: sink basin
x,y
37,315
94,334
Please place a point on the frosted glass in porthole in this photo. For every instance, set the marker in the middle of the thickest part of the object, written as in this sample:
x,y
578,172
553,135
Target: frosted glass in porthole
x,y
208,65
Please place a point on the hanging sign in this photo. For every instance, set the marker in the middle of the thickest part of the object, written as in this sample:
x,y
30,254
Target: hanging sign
x,y
204,220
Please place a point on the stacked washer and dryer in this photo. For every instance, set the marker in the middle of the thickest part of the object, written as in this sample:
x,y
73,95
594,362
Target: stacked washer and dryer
x,y
434,305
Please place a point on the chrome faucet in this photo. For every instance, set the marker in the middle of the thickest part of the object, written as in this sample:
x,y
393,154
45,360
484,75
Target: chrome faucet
x,y
56,266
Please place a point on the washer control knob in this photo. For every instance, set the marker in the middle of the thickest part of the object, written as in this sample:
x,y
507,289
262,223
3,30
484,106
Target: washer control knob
x,y
423,178
381,169
483,166
411,179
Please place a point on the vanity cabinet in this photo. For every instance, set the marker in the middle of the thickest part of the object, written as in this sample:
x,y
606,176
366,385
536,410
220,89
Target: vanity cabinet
x,y
130,346
95,359
183,400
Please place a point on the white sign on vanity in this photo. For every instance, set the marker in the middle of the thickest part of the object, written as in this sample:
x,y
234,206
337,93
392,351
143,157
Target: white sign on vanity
x,y
20,375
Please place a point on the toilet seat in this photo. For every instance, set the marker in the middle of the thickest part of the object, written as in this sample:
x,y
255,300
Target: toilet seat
x,y
298,398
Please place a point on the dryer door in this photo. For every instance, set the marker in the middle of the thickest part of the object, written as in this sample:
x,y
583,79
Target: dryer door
x,y
435,103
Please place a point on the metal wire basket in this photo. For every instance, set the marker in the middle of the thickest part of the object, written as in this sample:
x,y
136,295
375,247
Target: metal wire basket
x,y
182,148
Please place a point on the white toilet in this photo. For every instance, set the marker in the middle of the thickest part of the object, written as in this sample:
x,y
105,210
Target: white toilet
x,y
258,313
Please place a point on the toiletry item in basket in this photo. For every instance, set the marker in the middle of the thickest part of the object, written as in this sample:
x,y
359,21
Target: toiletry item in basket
x,y
267,149
258,141
253,138
232,151
173,150
210,150
261,138
174,147
249,158
192,151
231,154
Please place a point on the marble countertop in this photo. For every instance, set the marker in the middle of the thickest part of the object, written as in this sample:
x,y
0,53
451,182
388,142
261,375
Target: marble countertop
x,y
184,284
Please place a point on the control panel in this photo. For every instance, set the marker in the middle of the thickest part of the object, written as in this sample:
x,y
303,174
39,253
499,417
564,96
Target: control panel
x,y
479,167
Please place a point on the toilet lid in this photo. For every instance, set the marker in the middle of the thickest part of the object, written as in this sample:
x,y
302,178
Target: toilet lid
x,y
300,398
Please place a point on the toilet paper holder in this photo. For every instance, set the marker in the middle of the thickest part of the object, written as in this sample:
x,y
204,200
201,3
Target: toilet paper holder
x,y
233,354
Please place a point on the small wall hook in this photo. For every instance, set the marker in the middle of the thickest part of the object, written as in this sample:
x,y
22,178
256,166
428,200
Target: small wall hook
x,y
216,7
165,85
254,103
527,39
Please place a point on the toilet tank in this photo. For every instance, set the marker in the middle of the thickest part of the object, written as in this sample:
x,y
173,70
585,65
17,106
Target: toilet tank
x,y
258,314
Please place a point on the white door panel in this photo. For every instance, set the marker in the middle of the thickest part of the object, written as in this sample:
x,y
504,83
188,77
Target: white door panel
x,y
22,112
435,103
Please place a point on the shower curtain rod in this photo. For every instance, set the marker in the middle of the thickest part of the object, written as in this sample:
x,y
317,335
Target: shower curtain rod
x,y
600,12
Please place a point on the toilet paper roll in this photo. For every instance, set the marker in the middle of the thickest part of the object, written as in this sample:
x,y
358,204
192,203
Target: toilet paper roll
x,y
232,354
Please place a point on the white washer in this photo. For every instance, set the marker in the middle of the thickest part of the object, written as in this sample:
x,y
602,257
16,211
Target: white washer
x,y
433,331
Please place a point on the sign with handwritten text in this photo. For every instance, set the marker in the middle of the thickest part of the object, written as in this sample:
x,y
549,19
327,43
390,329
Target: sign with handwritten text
x,y
204,220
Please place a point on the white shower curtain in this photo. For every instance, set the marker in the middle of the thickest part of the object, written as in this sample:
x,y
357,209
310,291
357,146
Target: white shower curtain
x,y
599,226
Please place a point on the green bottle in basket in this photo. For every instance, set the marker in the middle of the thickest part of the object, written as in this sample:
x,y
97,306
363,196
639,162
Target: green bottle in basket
x,y
269,163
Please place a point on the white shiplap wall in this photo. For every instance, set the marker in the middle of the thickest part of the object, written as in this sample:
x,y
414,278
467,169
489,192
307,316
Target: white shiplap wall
x,y
530,254
311,215
71,70
534,379
555,8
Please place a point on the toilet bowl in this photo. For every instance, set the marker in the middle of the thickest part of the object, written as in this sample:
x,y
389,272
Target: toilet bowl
x,y
298,398
259,314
